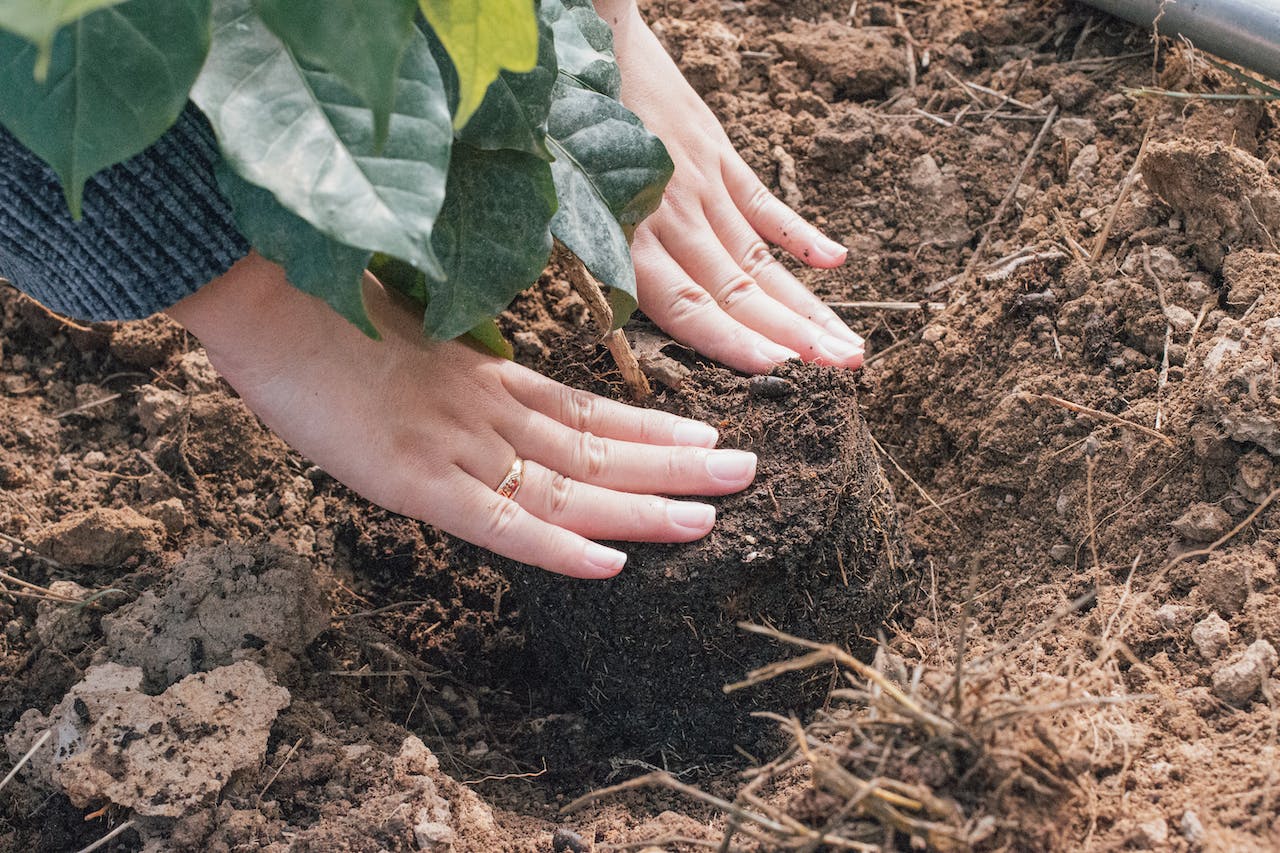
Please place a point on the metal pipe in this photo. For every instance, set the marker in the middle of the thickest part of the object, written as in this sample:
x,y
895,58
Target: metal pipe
x,y
1246,32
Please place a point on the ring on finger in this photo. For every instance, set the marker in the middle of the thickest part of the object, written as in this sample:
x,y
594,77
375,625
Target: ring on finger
x,y
512,482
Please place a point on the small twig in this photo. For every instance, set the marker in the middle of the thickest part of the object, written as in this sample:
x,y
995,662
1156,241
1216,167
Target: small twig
x,y
924,494
364,614
368,673
1047,625
966,614
910,48
128,824
84,407
1226,537
31,552
1168,334
838,655
1152,92
505,776
889,306
1100,242
43,591
1106,416
1091,463
1003,209
1005,99
40,741
292,750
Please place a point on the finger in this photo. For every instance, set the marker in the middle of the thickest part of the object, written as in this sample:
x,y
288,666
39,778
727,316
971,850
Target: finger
x,y
742,242
628,466
479,515
588,412
685,310
776,222
734,286
600,513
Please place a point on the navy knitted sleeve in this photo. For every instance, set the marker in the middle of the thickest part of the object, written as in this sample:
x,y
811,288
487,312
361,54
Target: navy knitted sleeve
x,y
155,228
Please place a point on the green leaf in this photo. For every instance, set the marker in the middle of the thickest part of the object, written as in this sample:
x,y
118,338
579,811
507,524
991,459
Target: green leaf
x,y
493,237
312,262
362,42
38,20
300,133
483,37
610,173
514,111
490,337
584,47
94,110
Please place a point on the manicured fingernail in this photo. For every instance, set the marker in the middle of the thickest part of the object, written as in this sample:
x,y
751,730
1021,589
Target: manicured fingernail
x,y
838,349
838,328
692,516
775,352
731,466
831,248
694,434
605,559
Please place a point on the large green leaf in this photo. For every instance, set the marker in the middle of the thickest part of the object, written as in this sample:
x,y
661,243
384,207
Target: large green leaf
x,y
299,132
492,237
483,37
610,172
94,110
312,262
362,42
514,111
584,47
38,20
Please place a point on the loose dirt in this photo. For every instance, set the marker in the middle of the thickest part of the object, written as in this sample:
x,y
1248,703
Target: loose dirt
x,y
1086,412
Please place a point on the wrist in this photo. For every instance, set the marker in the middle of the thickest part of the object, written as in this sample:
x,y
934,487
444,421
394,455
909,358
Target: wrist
x,y
237,315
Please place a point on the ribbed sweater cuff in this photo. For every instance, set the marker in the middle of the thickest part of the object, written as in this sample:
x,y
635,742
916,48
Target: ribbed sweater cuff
x,y
155,228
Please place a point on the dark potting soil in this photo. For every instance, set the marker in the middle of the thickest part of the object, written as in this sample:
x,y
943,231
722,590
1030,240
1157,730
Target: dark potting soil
x,y
812,548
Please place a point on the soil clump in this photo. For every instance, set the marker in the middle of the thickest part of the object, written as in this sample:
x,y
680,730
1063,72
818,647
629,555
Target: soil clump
x,y
813,548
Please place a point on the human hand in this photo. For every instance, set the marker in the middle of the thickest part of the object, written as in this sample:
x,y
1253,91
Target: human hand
x,y
429,429
704,271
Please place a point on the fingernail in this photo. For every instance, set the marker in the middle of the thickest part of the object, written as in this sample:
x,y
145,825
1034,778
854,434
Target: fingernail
x,y
695,434
838,328
775,352
839,349
731,466
605,559
692,516
831,248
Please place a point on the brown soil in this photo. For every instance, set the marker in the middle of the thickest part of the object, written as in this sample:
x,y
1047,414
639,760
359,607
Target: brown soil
x,y
1126,672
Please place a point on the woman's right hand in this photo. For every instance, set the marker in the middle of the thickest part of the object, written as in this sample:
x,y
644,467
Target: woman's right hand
x,y
430,429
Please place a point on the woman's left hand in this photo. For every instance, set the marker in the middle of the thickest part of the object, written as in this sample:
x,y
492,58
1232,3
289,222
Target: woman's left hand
x,y
704,269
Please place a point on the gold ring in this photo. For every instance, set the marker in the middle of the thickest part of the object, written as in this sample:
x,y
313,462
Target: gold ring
x,y
513,481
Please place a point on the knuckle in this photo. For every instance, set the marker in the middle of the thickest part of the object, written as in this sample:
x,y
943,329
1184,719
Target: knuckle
x,y
592,455
736,289
579,409
759,201
561,495
502,518
687,300
757,259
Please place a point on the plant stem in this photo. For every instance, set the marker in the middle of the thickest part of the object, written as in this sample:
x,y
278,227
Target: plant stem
x,y
619,347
